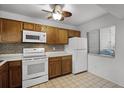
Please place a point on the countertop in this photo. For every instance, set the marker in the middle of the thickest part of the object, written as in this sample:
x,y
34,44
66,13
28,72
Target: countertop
x,y
102,55
13,57
56,54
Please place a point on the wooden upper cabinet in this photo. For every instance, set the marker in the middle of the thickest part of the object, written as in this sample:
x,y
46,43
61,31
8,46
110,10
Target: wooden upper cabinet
x,y
51,35
38,27
62,36
56,35
34,27
15,74
41,28
11,31
28,26
73,33
77,33
44,28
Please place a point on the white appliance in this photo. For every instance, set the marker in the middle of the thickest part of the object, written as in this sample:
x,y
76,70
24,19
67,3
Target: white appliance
x,y
78,47
33,36
34,66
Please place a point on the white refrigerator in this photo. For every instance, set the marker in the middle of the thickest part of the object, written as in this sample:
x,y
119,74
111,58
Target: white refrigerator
x,y
78,47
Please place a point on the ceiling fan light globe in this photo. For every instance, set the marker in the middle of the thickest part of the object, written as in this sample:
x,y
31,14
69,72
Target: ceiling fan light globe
x,y
57,16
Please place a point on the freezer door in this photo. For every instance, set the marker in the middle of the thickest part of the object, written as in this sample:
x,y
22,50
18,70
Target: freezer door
x,y
84,43
79,61
72,43
78,43
81,43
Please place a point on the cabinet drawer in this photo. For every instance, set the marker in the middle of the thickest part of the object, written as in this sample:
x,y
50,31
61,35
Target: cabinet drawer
x,y
14,63
66,57
54,58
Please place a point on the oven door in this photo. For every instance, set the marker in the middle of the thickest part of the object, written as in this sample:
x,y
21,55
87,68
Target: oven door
x,y
34,68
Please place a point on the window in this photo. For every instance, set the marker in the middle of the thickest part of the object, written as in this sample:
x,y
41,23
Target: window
x,y
102,41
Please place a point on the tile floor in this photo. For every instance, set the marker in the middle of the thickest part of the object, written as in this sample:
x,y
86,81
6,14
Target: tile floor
x,y
83,80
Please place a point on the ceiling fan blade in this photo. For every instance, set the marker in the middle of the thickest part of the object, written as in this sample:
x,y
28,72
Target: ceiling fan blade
x,y
49,16
46,11
61,19
66,13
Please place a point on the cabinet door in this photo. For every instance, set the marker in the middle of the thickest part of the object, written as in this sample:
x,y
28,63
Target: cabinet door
x,y
51,35
66,65
15,74
62,36
77,33
38,27
54,67
41,28
28,26
4,76
11,31
72,33
44,28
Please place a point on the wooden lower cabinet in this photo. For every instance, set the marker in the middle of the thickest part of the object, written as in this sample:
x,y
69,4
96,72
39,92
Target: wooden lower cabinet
x,y
11,74
15,74
59,66
66,65
4,76
54,67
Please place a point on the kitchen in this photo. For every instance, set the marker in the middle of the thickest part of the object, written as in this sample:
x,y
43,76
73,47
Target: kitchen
x,y
41,53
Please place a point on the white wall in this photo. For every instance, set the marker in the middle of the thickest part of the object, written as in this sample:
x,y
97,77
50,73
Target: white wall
x,y
4,14
108,68
100,22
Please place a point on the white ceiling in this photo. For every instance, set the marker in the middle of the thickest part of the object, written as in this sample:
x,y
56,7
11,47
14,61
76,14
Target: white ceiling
x,y
115,9
81,13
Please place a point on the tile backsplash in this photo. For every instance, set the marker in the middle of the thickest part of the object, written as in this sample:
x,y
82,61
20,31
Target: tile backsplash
x,y
17,48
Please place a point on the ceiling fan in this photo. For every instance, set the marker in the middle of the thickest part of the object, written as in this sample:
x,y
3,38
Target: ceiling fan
x,y
57,12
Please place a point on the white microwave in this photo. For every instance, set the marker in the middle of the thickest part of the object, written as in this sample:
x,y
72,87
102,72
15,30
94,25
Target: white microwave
x,y
33,36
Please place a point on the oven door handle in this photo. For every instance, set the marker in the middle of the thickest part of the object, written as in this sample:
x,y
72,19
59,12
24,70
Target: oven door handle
x,y
38,58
